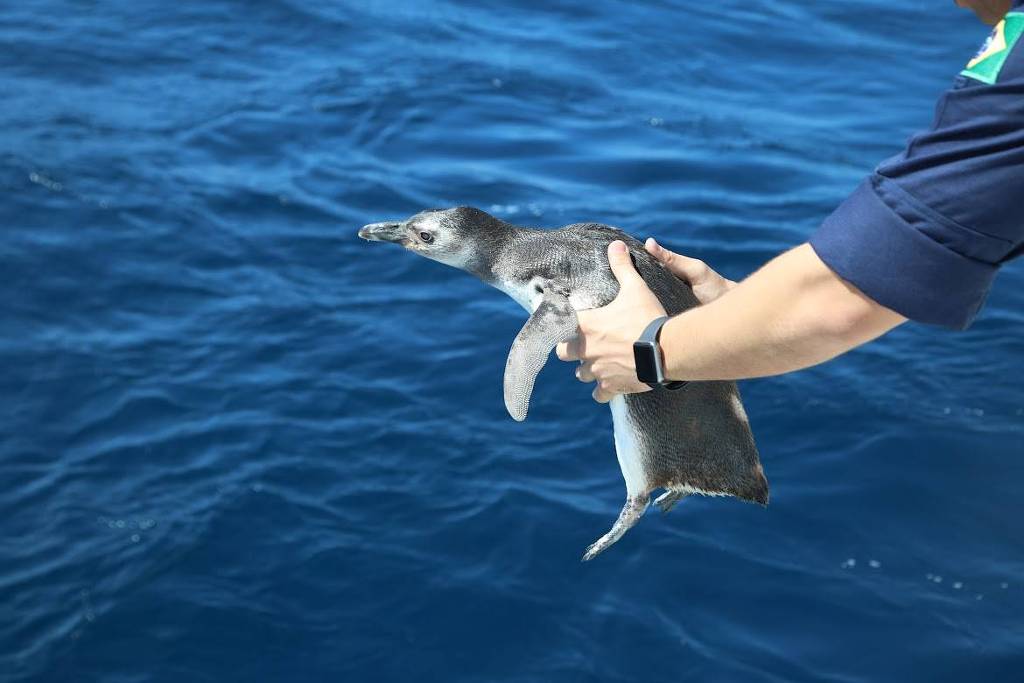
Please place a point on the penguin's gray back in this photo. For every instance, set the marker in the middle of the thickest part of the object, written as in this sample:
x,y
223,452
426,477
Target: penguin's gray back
x,y
695,440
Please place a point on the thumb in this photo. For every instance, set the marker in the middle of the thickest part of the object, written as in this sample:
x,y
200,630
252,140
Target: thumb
x,y
622,265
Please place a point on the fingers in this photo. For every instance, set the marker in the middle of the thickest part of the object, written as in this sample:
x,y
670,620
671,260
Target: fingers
x,y
585,373
602,395
657,251
622,265
603,392
690,269
568,350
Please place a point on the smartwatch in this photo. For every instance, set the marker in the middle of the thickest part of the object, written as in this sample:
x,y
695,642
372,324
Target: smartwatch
x,y
650,363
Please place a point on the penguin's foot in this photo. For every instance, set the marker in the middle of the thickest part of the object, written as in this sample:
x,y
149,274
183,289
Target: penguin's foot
x,y
668,500
631,512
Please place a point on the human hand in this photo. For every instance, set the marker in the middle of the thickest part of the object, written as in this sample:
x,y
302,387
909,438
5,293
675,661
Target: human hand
x,y
604,346
707,285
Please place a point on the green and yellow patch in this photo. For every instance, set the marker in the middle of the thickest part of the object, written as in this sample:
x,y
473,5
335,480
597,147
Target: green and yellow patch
x,y
987,64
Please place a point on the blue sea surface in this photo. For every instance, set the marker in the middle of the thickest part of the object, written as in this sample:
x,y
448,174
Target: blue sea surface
x,y
240,444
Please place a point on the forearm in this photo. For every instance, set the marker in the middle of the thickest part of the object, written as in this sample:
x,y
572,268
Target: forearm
x,y
791,314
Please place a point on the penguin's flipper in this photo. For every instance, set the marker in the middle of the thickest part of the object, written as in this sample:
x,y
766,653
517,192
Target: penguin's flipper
x,y
554,321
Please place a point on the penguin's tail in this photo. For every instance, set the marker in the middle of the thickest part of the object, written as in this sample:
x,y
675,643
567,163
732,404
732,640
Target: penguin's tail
x,y
755,486
631,513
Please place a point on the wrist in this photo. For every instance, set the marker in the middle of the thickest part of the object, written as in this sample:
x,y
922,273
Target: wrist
x,y
671,349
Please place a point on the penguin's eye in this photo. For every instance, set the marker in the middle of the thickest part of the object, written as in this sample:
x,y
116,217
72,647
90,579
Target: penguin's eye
x,y
427,237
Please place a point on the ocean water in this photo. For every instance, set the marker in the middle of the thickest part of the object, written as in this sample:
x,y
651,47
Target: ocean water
x,y
240,444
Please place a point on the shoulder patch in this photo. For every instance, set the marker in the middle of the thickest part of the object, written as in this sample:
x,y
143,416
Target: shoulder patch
x,y
987,64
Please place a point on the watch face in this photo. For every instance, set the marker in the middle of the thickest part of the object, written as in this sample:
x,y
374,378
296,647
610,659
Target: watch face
x,y
645,355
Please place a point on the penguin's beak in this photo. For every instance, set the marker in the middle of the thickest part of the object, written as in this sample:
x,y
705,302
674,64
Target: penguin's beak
x,y
388,231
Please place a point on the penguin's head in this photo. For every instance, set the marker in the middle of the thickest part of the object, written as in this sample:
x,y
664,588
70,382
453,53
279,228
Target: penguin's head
x,y
462,237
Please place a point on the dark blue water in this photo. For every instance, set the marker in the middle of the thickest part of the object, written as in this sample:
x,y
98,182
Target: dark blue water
x,y
240,444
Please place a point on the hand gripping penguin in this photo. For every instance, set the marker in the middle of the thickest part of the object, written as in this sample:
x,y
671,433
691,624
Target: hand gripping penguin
x,y
696,440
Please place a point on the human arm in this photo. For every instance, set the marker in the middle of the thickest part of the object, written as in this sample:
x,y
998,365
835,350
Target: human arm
x,y
792,313
921,238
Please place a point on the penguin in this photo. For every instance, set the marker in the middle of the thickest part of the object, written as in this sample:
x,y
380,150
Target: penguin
x,y
693,441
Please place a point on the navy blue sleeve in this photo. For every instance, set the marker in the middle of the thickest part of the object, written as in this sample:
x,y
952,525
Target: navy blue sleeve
x,y
925,234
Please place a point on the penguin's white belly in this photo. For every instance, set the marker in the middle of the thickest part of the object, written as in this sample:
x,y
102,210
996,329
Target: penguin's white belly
x,y
627,449
528,294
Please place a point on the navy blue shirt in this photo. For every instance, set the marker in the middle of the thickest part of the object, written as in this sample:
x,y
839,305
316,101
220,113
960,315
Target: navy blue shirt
x,y
926,233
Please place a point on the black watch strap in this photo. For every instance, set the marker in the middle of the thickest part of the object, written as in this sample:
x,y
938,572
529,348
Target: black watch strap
x,y
650,360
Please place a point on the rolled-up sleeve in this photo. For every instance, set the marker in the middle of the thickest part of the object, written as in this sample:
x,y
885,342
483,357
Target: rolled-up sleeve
x,y
927,232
